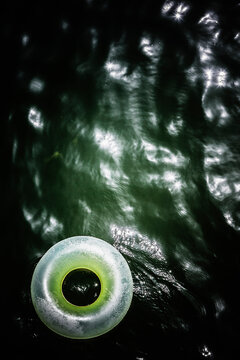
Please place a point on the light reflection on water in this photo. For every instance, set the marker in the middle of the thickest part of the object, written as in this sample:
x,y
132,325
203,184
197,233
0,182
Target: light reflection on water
x,y
138,145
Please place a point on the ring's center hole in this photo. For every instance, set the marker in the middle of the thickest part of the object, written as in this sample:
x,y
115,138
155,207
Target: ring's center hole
x,y
81,287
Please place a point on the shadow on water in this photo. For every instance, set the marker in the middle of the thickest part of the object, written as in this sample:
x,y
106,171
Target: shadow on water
x,y
122,123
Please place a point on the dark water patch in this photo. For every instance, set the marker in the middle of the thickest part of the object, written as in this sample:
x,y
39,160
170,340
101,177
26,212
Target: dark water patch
x,y
121,122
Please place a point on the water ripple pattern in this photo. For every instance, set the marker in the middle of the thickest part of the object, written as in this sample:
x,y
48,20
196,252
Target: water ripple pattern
x,y
123,124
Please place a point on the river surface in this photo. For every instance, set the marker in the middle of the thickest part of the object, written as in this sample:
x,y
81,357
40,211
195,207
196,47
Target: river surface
x,y
121,120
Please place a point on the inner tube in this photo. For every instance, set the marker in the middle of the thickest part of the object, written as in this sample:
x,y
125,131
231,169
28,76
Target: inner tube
x,y
88,321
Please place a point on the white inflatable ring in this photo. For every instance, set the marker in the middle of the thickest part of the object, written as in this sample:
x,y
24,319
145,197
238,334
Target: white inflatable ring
x,y
82,322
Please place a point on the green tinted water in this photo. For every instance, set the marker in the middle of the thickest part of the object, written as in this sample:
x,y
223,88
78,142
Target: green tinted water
x,y
123,124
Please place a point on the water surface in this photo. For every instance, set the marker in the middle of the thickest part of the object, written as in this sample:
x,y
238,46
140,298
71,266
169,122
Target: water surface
x,y
122,122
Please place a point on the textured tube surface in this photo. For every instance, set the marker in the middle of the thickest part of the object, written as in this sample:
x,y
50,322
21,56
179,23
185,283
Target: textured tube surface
x,y
82,322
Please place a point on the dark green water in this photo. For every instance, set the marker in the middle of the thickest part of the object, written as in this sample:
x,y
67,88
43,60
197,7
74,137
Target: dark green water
x,y
121,121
